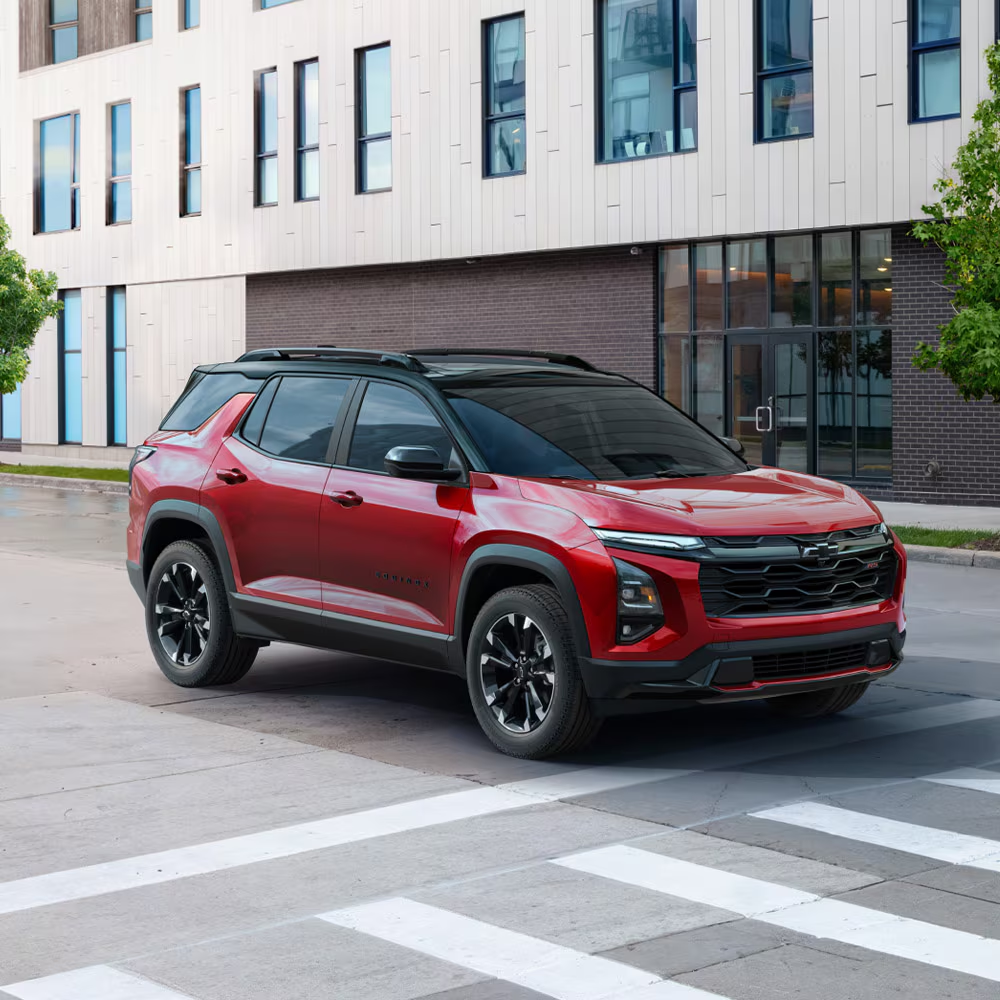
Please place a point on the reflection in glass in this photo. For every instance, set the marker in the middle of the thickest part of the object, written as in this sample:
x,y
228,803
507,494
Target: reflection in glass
x,y
709,382
10,416
506,147
939,86
793,279
835,404
70,344
787,105
375,120
791,405
747,260
747,388
938,20
307,131
785,32
192,13
675,300
874,404
64,44
55,209
875,284
376,165
143,27
505,93
301,418
677,370
708,286
836,279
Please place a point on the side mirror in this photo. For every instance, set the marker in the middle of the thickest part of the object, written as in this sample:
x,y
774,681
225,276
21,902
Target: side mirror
x,y
418,461
735,446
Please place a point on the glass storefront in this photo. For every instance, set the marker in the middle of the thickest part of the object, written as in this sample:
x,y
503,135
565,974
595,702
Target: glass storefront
x,y
785,342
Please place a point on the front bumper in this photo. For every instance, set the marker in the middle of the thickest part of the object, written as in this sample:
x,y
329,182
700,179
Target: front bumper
x,y
742,670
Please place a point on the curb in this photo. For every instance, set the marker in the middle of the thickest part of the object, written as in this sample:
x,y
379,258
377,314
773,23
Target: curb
x,y
60,483
953,557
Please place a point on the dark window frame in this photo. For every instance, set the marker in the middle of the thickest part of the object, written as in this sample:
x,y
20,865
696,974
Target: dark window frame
x,y
301,147
917,49
114,179
187,168
142,7
111,351
61,353
258,136
489,117
55,26
761,74
362,139
679,89
75,196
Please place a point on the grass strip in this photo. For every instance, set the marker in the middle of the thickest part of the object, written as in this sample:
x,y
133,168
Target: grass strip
x,y
68,472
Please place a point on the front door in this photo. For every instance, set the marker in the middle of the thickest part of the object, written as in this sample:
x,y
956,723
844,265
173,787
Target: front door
x,y
769,398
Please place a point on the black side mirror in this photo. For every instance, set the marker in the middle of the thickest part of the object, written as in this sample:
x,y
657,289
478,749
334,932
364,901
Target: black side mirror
x,y
735,446
418,461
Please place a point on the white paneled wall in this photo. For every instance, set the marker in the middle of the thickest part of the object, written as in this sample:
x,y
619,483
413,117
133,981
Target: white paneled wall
x,y
865,165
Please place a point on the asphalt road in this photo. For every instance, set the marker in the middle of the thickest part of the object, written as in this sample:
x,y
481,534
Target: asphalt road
x,y
336,827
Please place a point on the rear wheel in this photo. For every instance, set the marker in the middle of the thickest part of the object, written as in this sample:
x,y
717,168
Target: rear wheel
x,y
523,678
188,623
815,704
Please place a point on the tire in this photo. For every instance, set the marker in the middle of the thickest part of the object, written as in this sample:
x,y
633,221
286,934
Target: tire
x,y
193,642
816,704
567,722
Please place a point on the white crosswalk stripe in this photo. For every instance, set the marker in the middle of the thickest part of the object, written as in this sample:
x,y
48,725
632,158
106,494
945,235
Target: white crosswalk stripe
x,y
927,841
546,968
969,777
99,982
795,910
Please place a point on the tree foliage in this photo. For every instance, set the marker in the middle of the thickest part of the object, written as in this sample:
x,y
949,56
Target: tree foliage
x,y
965,224
26,302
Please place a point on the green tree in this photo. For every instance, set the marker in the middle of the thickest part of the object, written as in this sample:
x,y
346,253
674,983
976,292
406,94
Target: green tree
x,y
26,302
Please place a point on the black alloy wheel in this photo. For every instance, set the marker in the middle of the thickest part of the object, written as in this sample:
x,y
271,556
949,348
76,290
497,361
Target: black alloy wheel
x,y
183,620
517,673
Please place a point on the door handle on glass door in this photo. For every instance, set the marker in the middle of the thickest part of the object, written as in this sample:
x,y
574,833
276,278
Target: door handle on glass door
x,y
348,499
231,476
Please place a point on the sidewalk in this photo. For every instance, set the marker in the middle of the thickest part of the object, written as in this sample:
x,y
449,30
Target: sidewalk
x,y
919,515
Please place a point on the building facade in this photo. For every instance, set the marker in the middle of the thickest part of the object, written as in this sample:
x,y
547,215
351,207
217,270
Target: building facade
x,y
712,196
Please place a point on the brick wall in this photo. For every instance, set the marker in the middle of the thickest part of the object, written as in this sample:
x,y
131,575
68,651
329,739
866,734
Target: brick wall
x,y
931,422
598,304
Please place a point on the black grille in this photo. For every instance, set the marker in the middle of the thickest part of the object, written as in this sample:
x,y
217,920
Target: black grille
x,y
783,584
784,666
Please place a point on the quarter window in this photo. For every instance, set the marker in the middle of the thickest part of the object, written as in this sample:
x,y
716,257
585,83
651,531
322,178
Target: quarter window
x,y
267,137
302,416
70,337
191,131
935,60
374,120
504,76
117,375
784,69
143,20
120,184
648,66
58,193
65,24
307,131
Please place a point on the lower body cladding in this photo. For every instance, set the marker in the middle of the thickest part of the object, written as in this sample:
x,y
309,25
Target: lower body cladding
x,y
747,670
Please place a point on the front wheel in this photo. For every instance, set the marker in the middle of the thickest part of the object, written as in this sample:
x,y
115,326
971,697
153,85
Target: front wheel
x,y
816,704
523,678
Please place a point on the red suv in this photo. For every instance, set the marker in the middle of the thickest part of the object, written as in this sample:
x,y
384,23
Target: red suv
x,y
564,538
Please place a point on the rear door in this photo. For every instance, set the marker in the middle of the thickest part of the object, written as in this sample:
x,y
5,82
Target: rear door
x,y
385,542
268,481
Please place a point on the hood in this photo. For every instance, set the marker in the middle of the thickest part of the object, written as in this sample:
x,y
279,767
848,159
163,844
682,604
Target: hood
x,y
758,502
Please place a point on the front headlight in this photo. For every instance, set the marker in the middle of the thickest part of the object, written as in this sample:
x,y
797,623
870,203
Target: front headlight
x,y
640,613
643,542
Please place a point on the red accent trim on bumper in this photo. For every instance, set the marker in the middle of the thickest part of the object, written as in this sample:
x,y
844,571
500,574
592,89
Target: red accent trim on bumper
x,y
758,685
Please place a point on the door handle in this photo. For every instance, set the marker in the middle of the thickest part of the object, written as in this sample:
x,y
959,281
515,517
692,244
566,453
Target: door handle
x,y
348,499
761,413
231,476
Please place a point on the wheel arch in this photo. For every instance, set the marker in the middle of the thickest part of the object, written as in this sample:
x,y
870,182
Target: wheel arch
x,y
178,520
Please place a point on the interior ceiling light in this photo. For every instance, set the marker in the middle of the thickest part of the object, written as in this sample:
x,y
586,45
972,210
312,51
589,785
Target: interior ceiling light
x,y
888,260
883,269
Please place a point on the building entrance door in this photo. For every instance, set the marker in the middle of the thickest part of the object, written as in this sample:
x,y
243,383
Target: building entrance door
x,y
770,385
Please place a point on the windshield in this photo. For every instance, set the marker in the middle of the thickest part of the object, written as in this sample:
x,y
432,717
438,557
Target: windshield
x,y
587,432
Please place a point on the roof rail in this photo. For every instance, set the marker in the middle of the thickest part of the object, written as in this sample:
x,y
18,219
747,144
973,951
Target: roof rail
x,y
329,353
571,360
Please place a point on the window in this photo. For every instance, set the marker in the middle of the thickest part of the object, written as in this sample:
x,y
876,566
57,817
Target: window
x,y
302,416
254,422
391,416
203,395
935,59
190,14
143,20
784,69
648,78
191,174
504,73
307,131
64,19
374,113
267,138
117,376
120,184
264,4
70,336
57,197
10,416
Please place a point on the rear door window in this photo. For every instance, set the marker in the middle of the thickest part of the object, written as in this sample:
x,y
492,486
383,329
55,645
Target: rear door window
x,y
204,397
302,416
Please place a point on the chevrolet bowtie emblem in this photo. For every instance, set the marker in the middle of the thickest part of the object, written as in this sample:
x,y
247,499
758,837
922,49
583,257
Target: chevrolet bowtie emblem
x,y
821,552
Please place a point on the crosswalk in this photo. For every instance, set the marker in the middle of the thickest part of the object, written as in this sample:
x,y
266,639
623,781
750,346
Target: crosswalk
x,y
721,884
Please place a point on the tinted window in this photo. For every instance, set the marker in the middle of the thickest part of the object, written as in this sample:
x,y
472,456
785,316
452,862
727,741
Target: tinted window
x,y
254,422
301,418
390,416
587,432
203,398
